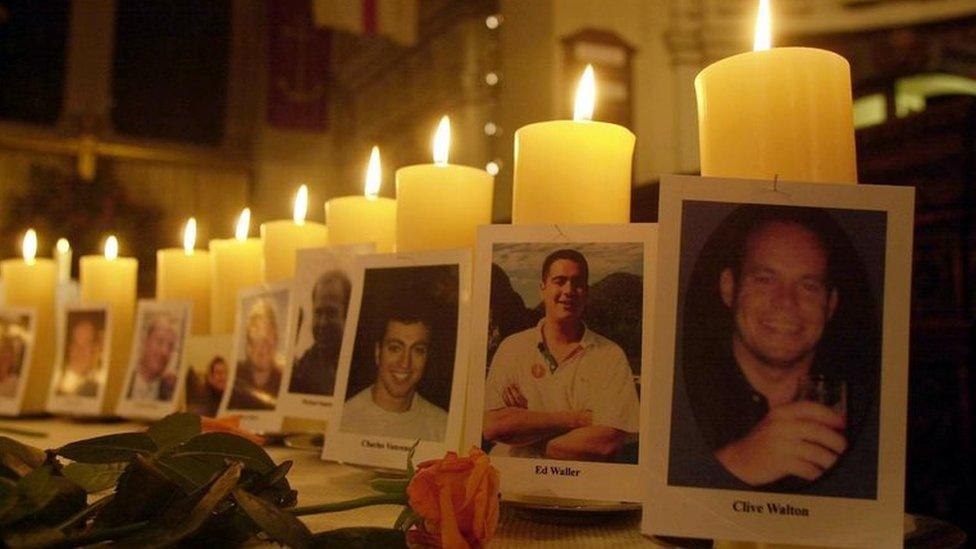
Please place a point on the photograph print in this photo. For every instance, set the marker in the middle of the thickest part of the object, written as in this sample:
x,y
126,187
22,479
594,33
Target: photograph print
x,y
259,351
207,370
777,409
778,353
321,290
564,351
16,341
159,339
401,373
82,360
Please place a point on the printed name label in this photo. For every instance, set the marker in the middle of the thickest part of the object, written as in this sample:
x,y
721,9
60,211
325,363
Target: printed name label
x,y
769,508
557,470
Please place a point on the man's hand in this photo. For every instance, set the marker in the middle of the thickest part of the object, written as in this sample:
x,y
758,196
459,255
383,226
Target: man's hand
x,y
802,439
513,397
519,426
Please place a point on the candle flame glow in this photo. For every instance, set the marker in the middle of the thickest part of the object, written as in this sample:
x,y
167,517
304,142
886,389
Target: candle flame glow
x,y
190,235
30,246
764,28
111,248
374,173
442,141
301,205
585,96
243,225
63,246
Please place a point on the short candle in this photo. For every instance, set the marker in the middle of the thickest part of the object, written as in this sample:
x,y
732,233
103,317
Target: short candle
x,y
440,205
364,219
235,265
777,112
573,171
184,273
284,237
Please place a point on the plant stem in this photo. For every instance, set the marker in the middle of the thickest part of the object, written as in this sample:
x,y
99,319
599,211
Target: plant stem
x,y
85,512
380,499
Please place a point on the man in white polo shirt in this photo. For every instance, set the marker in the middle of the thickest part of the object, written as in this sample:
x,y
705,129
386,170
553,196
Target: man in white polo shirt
x,y
559,389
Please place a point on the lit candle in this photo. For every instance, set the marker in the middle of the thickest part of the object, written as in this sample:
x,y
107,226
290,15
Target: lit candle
x,y
111,279
440,205
783,112
235,265
31,282
283,238
573,171
367,218
184,273
62,256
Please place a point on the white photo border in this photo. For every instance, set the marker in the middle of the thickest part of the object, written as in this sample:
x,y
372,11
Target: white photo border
x,y
141,409
255,420
387,452
12,406
530,478
303,405
73,405
703,512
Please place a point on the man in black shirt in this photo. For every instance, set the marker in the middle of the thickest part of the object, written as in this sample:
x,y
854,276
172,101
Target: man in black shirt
x,y
781,292
315,372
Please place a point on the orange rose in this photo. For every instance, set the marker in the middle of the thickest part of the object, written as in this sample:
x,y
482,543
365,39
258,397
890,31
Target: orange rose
x,y
457,498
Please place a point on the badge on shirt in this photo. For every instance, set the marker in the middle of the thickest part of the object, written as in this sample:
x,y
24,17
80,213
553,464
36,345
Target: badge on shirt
x,y
538,370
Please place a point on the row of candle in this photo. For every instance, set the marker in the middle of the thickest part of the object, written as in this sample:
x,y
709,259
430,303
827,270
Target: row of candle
x,y
782,112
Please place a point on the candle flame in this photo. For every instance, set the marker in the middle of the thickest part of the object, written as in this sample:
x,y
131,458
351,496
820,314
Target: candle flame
x,y
585,96
243,225
442,141
62,246
764,28
111,247
190,235
301,205
374,173
30,245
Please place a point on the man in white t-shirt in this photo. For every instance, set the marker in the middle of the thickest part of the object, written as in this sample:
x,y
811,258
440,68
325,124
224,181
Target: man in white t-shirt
x,y
559,389
391,406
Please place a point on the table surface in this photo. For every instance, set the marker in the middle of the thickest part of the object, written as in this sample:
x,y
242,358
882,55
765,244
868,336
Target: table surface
x,y
319,482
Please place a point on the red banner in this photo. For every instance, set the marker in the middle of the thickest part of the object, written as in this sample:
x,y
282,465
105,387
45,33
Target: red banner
x,y
298,67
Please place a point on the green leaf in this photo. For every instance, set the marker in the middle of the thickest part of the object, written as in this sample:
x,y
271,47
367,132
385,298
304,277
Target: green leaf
x,y
109,448
279,525
225,446
46,497
361,538
20,458
93,477
140,493
8,495
390,485
174,429
186,516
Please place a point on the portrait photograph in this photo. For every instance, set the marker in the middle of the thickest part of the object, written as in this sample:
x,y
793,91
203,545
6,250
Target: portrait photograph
x,y
83,348
402,364
207,369
17,327
155,362
321,290
562,350
775,355
259,356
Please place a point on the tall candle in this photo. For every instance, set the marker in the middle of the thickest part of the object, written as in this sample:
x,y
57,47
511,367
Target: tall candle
x,y
440,205
235,265
573,171
112,280
184,273
31,282
367,218
62,256
783,112
283,238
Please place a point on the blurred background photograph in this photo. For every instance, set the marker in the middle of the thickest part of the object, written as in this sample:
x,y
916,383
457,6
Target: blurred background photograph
x,y
16,336
259,349
84,356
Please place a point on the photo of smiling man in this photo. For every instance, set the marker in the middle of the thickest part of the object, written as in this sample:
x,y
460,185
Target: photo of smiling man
x,y
400,377
563,387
